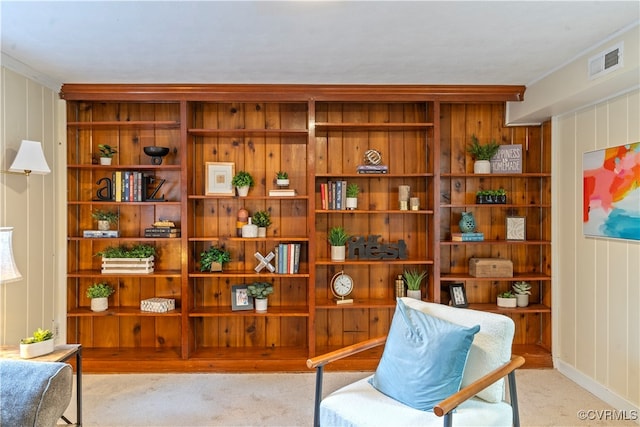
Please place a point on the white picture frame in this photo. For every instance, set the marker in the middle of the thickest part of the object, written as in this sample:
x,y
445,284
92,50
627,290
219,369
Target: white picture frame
x,y
218,178
516,228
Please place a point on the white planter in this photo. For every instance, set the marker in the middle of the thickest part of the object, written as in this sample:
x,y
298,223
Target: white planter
x,y
338,253
261,304
28,351
262,231
482,166
243,191
522,300
99,304
105,160
414,294
103,225
352,203
507,302
282,182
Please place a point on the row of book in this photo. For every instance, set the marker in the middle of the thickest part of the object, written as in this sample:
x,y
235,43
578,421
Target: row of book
x,y
161,232
333,195
129,186
467,237
287,260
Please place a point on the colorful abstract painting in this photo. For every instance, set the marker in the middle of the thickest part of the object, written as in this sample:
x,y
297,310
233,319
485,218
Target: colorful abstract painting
x,y
611,186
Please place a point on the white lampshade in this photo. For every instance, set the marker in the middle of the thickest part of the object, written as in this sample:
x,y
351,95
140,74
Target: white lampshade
x,y
8,268
30,159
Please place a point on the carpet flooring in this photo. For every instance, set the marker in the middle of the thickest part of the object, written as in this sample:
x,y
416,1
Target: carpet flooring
x,y
546,397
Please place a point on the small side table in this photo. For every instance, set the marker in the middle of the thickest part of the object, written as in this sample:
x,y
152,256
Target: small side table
x,y
61,353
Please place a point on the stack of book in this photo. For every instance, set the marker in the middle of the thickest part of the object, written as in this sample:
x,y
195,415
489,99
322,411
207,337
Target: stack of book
x,y
101,233
467,237
372,169
287,258
162,229
282,192
333,195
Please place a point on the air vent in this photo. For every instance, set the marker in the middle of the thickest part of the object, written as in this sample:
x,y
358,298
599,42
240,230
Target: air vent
x,y
605,62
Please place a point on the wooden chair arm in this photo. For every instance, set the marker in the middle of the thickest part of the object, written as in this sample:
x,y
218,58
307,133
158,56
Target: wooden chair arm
x,y
323,359
451,402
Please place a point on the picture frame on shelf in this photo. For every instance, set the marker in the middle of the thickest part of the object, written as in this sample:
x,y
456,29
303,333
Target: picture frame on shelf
x,y
458,295
218,178
516,227
240,298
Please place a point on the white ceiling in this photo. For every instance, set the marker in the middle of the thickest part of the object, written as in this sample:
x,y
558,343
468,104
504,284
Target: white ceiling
x,y
419,42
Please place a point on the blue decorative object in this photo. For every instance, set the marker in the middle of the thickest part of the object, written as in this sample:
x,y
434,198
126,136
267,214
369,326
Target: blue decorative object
x,y
467,223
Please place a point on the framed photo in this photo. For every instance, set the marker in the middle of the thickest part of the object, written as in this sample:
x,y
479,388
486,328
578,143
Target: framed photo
x,y
458,295
218,178
240,299
516,228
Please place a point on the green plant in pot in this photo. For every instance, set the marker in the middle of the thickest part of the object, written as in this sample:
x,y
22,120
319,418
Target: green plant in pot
x,y
260,291
498,196
522,291
38,344
213,258
338,238
106,153
413,278
99,293
507,299
352,196
482,153
262,219
282,179
242,181
135,251
105,218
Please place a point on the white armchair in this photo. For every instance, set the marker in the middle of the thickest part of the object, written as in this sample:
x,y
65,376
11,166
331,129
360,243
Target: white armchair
x,y
479,401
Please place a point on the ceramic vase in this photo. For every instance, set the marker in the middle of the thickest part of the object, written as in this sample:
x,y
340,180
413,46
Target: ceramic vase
x,y
482,167
103,225
338,253
522,300
467,223
261,304
105,160
352,203
506,302
417,294
99,304
243,191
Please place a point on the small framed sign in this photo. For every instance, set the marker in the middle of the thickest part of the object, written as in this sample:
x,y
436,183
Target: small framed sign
x,y
218,178
240,298
508,159
458,295
516,228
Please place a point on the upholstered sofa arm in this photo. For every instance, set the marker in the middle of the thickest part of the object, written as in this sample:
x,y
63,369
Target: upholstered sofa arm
x,y
452,402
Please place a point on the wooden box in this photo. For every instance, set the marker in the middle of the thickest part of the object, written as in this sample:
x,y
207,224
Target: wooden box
x,y
127,265
490,267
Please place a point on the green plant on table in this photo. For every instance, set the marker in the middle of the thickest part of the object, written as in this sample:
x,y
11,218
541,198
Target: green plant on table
x,y
136,251
482,151
242,179
39,335
338,236
211,255
413,278
100,290
259,290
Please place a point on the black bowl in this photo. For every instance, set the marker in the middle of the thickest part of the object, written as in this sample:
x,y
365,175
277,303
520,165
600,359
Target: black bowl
x,y
156,151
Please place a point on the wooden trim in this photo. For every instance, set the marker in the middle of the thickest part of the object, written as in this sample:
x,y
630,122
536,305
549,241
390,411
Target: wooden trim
x,y
286,92
346,351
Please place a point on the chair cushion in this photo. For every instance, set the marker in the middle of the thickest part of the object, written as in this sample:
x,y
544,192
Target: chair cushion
x,y
491,346
423,359
359,404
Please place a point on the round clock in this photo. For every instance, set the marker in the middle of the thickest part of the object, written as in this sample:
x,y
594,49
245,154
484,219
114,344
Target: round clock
x,y
341,286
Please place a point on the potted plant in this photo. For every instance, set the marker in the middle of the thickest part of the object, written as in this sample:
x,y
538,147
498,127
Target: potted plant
x,y
338,240
522,290
123,259
99,294
213,258
40,343
105,218
352,196
260,291
413,279
106,153
262,219
242,181
498,196
507,300
282,179
482,154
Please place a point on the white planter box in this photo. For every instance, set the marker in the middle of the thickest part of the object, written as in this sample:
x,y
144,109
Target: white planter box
x,y
28,351
507,302
127,265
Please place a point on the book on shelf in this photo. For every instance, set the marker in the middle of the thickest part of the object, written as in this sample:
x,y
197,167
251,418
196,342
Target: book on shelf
x,y
287,259
101,233
467,237
283,192
333,195
372,169
161,232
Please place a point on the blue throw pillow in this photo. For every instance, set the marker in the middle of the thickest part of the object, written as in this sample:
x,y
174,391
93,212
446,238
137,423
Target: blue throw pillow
x,y
423,359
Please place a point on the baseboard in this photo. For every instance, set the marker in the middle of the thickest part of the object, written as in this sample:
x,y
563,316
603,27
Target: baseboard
x,y
631,411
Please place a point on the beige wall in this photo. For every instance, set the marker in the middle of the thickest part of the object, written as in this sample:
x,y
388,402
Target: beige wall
x,y
597,281
28,110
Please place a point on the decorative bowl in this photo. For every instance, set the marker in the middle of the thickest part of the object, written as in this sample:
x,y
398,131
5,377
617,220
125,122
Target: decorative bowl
x,y
156,153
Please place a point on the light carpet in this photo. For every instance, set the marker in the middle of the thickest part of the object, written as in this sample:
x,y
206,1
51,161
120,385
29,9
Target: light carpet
x,y
546,397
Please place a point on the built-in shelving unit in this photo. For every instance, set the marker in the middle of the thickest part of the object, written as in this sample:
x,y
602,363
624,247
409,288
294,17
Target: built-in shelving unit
x,y
317,134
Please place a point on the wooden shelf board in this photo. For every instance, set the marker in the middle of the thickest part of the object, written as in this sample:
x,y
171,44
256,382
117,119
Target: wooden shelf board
x,y
228,196
133,123
245,273
108,202
489,205
98,273
367,212
326,126
448,277
498,242
358,303
535,356
273,311
120,311
163,167
493,308
124,239
256,239
373,175
497,175
242,132
420,261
